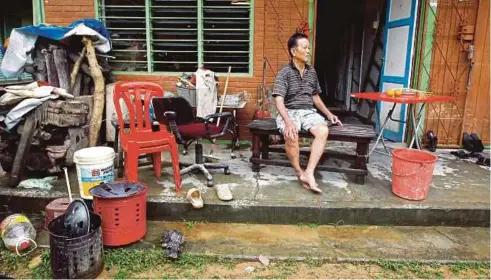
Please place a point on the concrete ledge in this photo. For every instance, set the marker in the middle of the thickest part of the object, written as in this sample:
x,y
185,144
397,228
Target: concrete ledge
x,y
332,214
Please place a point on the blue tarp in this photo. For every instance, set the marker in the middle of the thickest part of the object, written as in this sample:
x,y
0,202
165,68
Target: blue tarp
x,y
59,32
23,40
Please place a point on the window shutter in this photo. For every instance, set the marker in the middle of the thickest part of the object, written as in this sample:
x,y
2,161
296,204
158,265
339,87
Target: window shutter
x,y
126,21
174,28
226,36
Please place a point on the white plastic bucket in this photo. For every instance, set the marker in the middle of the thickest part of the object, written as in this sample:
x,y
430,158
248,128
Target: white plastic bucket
x,y
95,165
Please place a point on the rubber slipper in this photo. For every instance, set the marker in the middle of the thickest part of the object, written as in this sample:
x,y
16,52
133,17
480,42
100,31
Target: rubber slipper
x,y
194,196
223,192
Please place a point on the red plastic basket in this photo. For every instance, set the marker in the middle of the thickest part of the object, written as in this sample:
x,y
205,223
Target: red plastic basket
x,y
124,220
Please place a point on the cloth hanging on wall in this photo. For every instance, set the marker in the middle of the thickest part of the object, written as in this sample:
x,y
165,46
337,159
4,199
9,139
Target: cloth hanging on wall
x,y
206,93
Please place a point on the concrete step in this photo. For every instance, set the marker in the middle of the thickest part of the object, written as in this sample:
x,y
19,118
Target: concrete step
x,y
459,195
330,243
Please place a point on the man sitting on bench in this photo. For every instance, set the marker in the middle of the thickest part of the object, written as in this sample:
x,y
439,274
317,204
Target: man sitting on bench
x,y
296,92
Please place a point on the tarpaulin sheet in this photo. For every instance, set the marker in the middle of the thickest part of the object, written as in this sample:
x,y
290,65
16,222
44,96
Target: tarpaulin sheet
x,y
22,41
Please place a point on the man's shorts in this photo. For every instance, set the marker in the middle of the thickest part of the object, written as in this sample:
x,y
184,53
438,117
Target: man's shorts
x,y
303,119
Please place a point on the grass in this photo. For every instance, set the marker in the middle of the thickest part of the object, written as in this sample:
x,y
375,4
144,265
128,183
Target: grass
x,y
411,269
134,263
189,224
43,270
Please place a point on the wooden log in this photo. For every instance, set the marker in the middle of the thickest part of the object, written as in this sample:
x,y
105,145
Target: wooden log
x,y
51,68
62,70
40,67
99,94
77,86
83,66
75,69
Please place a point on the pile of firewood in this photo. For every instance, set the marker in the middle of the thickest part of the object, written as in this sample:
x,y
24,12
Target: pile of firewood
x,y
76,67
61,125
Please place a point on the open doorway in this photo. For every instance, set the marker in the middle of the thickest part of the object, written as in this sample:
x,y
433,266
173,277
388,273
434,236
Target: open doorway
x,y
348,49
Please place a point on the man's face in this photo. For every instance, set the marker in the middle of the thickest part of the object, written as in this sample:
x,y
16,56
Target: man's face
x,y
302,50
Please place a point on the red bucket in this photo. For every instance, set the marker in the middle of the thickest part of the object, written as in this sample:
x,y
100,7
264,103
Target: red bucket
x,y
412,172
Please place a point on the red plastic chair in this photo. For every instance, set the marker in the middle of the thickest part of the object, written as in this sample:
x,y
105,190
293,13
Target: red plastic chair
x,y
141,138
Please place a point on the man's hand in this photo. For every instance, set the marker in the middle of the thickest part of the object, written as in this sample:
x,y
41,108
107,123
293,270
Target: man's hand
x,y
290,131
334,119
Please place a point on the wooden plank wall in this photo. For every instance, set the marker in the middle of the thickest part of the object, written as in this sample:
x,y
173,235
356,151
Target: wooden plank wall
x,y
449,72
476,118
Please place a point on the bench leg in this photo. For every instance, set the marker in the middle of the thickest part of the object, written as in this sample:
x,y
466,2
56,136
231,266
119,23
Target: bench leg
x,y
361,161
265,146
256,151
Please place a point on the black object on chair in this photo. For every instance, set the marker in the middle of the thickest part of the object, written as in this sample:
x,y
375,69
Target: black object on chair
x,y
178,114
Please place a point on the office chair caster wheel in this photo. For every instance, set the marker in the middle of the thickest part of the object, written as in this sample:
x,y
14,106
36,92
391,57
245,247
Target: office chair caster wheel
x,y
209,184
227,171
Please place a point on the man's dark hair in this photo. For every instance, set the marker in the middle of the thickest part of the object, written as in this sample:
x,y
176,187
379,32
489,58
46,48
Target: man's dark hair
x,y
292,42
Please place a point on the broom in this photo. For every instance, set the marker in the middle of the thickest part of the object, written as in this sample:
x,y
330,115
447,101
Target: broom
x,y
213,145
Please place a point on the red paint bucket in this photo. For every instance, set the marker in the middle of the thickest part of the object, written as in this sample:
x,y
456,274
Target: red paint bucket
x,y
412,172
123,208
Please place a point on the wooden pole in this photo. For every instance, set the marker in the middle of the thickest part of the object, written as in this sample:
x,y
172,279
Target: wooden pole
x,y
99,95
224,93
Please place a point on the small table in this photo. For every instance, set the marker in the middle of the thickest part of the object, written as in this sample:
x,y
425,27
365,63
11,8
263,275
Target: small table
x,y
411,101
234,109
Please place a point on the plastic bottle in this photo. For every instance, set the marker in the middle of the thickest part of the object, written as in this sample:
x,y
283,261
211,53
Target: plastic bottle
x,y
18,234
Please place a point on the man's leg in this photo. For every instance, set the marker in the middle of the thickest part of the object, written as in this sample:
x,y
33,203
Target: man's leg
x,y
320,132
292,147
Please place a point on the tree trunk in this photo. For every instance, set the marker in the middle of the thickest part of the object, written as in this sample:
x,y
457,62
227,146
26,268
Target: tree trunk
x,y
99,95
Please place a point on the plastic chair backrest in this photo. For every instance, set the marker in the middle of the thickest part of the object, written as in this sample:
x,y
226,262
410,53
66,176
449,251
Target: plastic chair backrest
x,y
136,96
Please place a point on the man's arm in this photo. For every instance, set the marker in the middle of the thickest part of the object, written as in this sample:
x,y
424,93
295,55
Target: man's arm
x,y
279,92
321,106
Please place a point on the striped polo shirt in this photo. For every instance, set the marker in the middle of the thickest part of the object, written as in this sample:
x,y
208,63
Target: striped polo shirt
x,y
296,90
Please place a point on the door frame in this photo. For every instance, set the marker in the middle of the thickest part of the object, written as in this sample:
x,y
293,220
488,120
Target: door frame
x,y
406,80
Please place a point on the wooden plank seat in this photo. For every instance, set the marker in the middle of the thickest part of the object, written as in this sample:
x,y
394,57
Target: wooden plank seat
x,y
356,133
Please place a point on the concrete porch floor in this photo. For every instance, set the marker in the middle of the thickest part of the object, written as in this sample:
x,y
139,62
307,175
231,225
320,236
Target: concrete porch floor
x,y
459,194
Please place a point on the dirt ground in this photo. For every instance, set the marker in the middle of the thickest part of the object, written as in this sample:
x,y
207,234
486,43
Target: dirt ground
x,y
120,264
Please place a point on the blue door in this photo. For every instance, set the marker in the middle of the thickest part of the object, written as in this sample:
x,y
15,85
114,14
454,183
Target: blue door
x,y
397,60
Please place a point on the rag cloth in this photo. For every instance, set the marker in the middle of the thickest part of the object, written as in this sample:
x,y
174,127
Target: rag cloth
x,y
206,93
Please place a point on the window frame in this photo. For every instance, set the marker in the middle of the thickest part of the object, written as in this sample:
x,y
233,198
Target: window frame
x,y
97,4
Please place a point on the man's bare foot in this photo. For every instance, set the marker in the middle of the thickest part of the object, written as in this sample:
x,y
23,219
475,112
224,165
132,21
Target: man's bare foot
x,y
310,179
304,184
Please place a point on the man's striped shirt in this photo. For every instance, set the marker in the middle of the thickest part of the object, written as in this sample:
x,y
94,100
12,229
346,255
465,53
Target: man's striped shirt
x,y
296,90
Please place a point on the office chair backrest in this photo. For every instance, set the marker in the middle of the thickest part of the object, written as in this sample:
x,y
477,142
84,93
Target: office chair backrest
x,y
178,105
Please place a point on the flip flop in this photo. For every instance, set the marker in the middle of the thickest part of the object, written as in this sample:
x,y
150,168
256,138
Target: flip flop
x,y
223,192
194,196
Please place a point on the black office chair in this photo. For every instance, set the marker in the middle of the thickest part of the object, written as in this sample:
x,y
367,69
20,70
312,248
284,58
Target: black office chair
x,y
178,114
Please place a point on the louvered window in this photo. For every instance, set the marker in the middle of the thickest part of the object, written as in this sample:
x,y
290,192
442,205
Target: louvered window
x,y
179,35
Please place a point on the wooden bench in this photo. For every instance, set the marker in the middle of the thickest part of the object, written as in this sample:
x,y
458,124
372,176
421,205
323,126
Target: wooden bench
x,y
356,133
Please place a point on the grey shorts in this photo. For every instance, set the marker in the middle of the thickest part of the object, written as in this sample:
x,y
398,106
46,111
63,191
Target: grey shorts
x,y
303,119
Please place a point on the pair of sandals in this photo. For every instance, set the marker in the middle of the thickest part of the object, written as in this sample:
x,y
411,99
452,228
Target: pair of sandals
x,y
196,200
